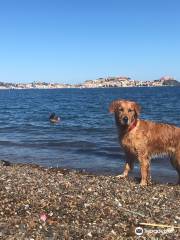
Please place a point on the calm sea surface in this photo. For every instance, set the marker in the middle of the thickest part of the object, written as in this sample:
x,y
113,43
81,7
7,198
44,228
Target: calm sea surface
x,y
86,137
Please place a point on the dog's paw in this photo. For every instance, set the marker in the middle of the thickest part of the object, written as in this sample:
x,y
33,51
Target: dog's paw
x,y
143,183
121,175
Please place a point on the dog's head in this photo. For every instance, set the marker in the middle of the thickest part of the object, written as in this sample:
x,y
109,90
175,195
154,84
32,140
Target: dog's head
x,y
126,112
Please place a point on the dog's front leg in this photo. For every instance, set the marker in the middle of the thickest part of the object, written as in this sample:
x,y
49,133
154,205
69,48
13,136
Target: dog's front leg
x,y
145,170
129,165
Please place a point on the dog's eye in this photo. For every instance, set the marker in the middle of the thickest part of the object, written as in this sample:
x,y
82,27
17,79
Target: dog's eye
x,y
121,109
130,110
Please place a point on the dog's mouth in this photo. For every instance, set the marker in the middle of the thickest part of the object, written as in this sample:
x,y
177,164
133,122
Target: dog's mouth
x,y
124,125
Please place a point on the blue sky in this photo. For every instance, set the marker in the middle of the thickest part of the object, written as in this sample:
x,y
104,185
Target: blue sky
x,y
74,40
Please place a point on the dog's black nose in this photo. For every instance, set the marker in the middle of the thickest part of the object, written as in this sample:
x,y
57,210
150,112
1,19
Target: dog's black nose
x,y
125,120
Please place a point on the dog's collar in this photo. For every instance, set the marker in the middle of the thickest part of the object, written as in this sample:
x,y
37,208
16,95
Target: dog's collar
x,y
133,125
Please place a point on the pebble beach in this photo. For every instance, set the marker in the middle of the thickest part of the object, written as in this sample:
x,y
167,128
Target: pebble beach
x,y
53,203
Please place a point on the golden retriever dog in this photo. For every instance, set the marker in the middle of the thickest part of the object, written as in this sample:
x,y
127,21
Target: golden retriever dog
x,y
142,139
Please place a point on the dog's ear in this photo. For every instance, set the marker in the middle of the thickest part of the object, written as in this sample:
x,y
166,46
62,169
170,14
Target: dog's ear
x,y
137,108
114,105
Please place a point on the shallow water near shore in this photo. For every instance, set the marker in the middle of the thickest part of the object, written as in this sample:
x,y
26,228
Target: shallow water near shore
x,y
86,137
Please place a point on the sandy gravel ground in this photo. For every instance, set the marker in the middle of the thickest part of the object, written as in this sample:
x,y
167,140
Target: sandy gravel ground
x,y
39,203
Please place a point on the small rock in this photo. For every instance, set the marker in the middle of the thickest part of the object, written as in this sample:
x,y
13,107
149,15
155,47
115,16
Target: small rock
x,y
89,234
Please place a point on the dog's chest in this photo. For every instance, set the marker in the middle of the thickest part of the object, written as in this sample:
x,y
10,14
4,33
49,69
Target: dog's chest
x,y
128,144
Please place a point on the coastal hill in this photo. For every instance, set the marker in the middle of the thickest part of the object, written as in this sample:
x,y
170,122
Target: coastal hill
x,y
121,81
128,82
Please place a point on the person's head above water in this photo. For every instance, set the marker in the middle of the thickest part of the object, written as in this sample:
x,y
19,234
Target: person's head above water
x,y
53,118
52,115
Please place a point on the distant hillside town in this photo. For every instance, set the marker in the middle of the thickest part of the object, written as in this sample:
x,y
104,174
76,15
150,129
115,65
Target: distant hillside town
x,y
109,82
123,81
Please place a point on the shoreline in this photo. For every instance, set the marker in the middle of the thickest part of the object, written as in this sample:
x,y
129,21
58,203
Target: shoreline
x,y
54,203
166,175
60,88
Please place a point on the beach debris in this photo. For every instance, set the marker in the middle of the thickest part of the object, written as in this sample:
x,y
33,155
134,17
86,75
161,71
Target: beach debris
x,y
43,217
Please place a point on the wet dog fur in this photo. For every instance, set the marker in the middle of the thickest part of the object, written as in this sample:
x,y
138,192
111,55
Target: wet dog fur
x,y
142,139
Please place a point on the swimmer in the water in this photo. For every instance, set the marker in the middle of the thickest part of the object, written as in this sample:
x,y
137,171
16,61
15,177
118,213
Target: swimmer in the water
x,y
53,118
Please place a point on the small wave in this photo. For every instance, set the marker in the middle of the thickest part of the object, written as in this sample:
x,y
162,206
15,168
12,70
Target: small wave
x,y
54,143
